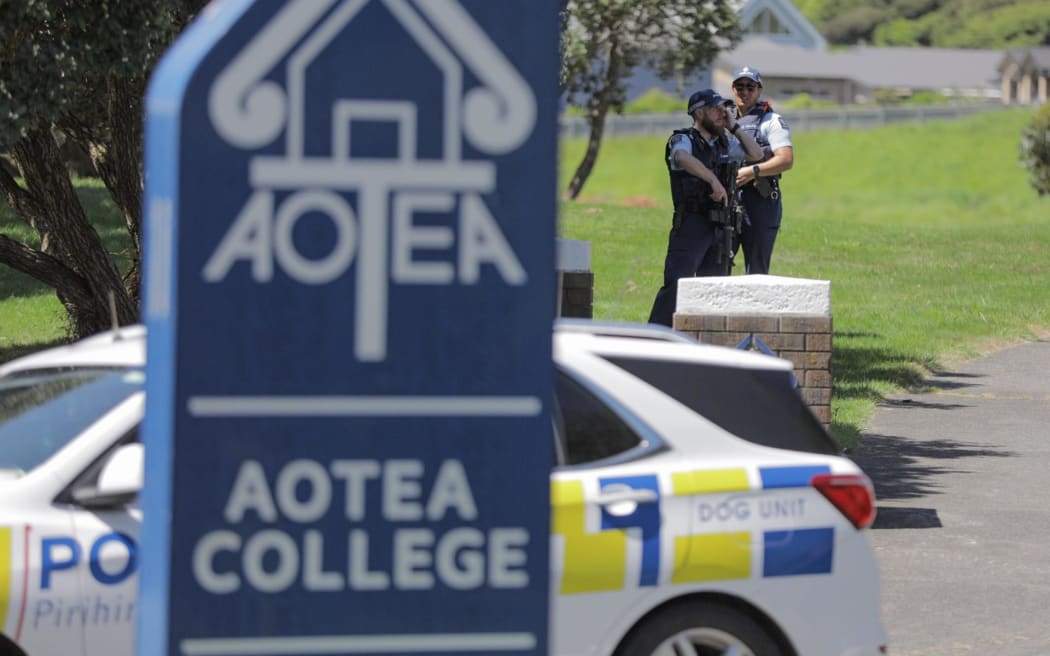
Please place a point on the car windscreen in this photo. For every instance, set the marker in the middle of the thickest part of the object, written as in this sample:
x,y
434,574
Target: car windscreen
x,y
758,405
40,412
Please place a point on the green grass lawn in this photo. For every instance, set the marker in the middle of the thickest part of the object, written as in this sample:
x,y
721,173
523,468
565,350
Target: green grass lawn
x,y
31,316
936,247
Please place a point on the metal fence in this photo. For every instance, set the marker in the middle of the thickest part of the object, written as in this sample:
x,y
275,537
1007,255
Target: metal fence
x,y
800,120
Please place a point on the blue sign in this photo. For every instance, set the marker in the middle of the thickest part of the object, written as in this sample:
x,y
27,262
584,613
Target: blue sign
x,y
350,230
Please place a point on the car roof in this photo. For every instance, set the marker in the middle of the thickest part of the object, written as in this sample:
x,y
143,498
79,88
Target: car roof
x,y
657,343
124,347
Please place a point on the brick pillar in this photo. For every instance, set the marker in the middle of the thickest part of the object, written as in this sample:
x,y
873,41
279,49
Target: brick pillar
x,y
577,294
786,317
575,280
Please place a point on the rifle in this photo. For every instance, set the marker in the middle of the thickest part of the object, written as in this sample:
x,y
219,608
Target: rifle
x,y
728,219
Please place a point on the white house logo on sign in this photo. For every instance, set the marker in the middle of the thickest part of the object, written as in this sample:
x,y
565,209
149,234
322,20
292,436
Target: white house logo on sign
x,y
251,112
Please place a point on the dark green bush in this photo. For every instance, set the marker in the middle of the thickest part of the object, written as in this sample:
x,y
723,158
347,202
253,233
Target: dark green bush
x,y
854,26
805,101
1035,150
655,101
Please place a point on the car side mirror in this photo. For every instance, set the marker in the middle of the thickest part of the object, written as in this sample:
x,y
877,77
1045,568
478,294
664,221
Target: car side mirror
x,y
119,482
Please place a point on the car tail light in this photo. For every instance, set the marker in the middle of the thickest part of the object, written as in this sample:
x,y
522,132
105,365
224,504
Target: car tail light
x,y
852,494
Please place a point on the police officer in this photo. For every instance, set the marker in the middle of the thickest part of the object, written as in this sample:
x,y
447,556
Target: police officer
x,y
759,179
694,156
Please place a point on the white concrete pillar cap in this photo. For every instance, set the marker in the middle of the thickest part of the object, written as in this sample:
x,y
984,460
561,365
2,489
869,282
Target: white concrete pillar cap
x,y
757,294
573,255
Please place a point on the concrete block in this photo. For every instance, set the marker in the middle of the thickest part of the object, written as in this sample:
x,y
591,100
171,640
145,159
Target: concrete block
x,y
757,294
573,255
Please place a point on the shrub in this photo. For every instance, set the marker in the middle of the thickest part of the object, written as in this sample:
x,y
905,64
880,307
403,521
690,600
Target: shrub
x,y
1035,150
888,97
655,101
856,25
805,101
927,98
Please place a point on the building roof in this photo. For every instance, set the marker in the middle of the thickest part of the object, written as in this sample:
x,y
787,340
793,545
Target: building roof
x,y
797,30
1040,57
1022,58
916,68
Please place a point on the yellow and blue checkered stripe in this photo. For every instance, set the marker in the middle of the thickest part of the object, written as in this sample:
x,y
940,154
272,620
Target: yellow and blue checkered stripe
x,y
597,561
711,556
799,551
5,574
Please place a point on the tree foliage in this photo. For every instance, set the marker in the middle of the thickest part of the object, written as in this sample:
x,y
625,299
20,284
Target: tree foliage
x,y
904,32
855,25
1015,26
939,23
1035,150
604,40
74,71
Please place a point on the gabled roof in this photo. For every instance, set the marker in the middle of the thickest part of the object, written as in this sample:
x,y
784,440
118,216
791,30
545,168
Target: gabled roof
x,y
1040,58
1013,57
1026,59
873,67
800,31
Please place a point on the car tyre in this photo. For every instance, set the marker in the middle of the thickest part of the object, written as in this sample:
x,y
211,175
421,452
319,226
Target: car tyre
x,y
699,628
8,648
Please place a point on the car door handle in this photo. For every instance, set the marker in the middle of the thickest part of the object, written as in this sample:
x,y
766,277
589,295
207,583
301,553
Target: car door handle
x,y
633,495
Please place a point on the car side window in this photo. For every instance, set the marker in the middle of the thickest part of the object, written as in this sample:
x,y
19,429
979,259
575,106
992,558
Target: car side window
x,y
758,405
89,477
42,411
590,429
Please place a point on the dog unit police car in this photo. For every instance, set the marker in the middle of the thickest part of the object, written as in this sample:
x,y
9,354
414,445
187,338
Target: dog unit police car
x,y
678,526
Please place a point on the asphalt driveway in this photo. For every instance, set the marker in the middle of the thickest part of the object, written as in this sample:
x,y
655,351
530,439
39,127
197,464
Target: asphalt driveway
x,y
962,474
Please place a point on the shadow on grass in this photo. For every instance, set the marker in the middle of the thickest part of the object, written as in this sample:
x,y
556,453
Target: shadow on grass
x,y
16,283
8,353
104,215
861,372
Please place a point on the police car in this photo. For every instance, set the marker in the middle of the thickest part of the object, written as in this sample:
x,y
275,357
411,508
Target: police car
x,y
679,523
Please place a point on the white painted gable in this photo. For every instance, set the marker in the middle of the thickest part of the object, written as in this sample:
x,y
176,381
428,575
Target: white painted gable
x,y
780,22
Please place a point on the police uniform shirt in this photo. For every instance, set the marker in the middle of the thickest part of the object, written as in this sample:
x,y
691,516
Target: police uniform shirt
x,y
681,142
775,131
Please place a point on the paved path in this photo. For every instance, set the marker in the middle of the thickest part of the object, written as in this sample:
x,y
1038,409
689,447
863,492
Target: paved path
x,y
962,473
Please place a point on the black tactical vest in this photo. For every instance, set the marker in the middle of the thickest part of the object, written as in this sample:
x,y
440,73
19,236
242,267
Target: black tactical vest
x,y
690,194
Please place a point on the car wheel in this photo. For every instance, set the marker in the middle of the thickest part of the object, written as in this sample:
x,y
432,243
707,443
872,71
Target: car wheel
x,y
699,629
8,648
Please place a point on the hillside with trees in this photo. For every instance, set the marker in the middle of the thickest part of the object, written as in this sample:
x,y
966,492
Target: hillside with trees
x,y
934,23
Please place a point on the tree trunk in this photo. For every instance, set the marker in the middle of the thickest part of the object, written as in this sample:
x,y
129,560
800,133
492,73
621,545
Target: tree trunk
x,y
599,109
51,206
116,153
596,121
121,170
